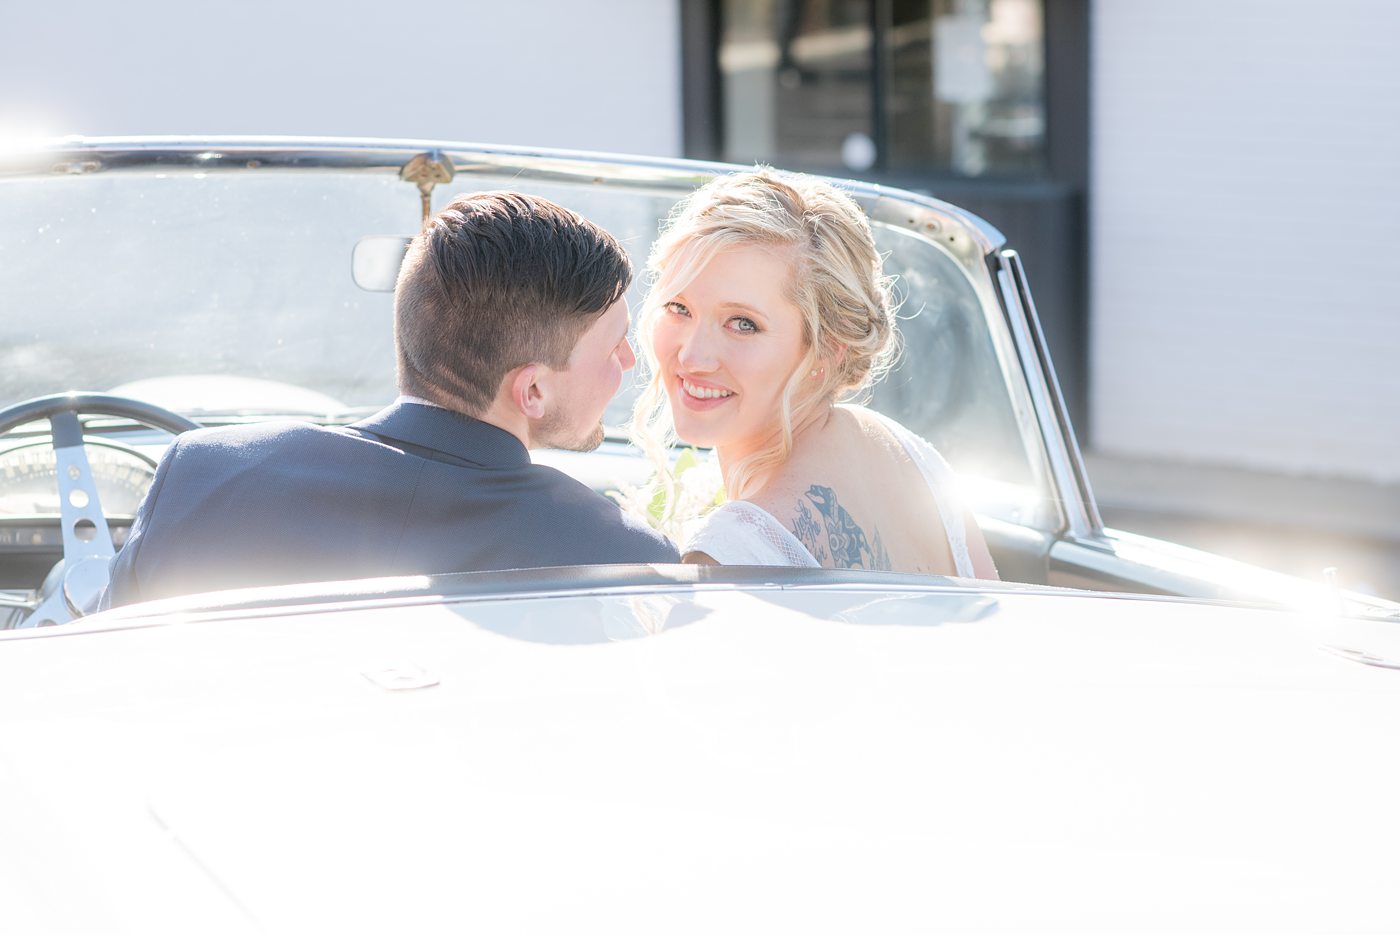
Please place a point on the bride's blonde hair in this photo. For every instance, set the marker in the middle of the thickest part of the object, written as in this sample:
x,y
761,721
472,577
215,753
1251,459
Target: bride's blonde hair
x,y
836,282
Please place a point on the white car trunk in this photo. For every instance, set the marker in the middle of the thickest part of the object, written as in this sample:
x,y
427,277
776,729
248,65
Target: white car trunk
x,y
719,760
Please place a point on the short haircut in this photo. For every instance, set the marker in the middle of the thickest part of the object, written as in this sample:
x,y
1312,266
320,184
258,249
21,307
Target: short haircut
x,y
494,281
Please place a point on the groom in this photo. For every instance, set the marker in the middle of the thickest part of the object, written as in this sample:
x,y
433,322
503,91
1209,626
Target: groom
x,y
511,333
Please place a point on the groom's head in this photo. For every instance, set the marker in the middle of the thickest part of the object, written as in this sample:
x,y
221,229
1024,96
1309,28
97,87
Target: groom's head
x,y
509,305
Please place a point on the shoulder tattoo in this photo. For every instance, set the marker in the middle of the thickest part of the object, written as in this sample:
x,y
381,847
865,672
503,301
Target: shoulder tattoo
x,y
809,531
849,546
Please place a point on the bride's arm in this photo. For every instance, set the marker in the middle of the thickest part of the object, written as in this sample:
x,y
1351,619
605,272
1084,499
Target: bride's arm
x,y
697,558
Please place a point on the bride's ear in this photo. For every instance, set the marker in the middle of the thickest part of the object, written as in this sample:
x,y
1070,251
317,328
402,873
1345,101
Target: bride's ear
x,y
830,358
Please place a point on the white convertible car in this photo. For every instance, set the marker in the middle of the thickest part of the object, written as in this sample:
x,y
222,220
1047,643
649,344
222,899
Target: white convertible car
x,y
1125,736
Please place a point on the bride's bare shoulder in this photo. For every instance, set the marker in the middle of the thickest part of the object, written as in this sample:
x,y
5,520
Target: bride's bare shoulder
x,y
844,451
871,423
855,434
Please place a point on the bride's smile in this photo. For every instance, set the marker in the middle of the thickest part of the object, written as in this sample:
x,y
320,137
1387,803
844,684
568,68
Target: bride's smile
x,y
727,344
700,395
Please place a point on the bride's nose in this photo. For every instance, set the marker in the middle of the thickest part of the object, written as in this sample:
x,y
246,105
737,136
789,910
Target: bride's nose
x,y
698,351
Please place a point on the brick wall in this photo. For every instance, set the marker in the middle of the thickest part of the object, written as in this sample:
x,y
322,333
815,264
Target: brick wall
x,y
556,73
1245,234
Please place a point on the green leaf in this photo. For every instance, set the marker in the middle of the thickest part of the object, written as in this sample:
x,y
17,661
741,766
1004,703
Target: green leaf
x,y
656,509
687,460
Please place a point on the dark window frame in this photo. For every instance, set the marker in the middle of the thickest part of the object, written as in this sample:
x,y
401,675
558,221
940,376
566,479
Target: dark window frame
x,y
1066,97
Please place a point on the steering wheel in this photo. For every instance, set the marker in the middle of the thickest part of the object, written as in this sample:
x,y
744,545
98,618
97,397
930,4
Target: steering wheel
x,y
87,542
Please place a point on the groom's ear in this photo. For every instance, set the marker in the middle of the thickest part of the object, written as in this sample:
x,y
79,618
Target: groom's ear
x,y
527,390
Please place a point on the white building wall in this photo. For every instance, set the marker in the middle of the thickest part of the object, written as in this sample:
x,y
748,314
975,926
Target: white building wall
x,y
556,73
1245,255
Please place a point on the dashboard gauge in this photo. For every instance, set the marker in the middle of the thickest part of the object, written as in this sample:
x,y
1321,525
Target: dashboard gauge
x,y
29,479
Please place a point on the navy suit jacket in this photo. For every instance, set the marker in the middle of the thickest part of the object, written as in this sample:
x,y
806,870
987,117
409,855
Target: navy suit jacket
x,y
413,489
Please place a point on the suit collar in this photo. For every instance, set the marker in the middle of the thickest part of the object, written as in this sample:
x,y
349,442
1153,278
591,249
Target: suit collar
x,y
451,433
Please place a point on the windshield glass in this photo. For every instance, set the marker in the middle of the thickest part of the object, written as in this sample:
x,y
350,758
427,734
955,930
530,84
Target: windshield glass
x,y
125,277
139,280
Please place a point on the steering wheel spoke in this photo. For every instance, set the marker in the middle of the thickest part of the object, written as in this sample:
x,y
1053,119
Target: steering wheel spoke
x,y
85,532
87,540
51,611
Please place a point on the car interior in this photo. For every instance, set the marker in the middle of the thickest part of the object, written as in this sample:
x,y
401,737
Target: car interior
x,y
264,290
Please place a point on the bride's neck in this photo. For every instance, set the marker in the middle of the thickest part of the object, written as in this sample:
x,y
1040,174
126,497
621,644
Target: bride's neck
x,y
733,455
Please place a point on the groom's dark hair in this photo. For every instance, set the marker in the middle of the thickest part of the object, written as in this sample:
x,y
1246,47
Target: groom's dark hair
x,y
494,281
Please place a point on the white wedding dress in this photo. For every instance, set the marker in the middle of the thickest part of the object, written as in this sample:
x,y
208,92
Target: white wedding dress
x,y
740,533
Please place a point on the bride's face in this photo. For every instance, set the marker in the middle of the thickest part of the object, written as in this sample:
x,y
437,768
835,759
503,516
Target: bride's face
x,y
726,346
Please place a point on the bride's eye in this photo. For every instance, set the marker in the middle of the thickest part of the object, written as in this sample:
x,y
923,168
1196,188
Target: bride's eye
x,y
743,325
676,308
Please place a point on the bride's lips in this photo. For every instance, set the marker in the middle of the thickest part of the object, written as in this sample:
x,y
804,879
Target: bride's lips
x,y
700,396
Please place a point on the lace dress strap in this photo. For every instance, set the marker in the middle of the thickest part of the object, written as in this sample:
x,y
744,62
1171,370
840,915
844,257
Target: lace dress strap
x,y
739,533
943,484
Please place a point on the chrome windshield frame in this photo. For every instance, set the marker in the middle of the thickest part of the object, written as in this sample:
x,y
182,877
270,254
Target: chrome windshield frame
x,y
1071,481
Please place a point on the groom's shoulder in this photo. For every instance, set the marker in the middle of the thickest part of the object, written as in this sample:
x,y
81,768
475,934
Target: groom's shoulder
x,y
590,526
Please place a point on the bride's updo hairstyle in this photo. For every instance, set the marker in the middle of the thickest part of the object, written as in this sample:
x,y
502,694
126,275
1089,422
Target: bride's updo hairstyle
x,y
835,281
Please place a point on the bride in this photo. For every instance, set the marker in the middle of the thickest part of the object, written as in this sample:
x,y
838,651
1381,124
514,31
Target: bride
x,y
768,307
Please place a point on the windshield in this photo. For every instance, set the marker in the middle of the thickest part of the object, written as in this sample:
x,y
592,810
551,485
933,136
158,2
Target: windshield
x,y
155,283
118,278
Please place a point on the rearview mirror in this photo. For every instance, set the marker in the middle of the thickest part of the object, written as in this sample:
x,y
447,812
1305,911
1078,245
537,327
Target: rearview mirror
x,y
375,262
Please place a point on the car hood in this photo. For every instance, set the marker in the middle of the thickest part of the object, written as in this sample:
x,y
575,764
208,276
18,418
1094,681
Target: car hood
x,y
703,760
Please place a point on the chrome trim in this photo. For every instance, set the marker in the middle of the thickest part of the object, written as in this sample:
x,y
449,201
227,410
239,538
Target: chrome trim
x,y
12,600
158,615
1066,465
1071,442
963,234
1049,516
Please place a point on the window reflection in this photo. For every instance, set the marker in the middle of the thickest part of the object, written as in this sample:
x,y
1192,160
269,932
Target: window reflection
x,y
796,79
942,85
